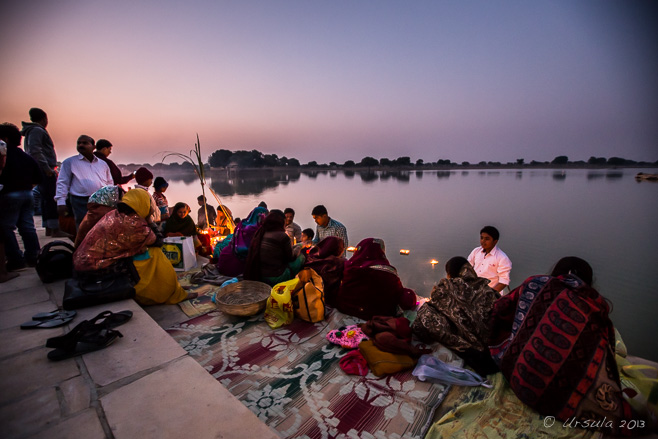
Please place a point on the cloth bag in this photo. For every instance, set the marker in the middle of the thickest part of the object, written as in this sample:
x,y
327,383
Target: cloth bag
x,y
111,284
279,309
308,298
432,369
384,363
180,251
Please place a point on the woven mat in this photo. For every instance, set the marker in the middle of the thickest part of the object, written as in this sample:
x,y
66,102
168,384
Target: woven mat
x,y
202,304
290,378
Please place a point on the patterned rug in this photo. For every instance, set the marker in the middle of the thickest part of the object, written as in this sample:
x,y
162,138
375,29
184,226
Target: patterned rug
x,y
290,378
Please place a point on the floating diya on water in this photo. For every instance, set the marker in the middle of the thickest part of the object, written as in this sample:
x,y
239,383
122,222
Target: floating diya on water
x,y
351,249
404,252
434,262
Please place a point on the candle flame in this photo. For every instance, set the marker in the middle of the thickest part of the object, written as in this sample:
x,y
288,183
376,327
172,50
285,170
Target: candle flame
x,y
404,252
351,249
434,262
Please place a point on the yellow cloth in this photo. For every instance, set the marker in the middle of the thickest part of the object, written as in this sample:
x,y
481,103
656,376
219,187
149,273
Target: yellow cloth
x,y
158,283
498,413
139,200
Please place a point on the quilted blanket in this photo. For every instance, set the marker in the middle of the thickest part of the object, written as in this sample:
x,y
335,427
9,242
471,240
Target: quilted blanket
x,y
291,379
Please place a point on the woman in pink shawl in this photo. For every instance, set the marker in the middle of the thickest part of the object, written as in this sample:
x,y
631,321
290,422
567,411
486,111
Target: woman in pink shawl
x,y
371,286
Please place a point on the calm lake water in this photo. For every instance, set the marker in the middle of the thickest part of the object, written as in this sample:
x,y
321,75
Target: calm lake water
x,y
603,216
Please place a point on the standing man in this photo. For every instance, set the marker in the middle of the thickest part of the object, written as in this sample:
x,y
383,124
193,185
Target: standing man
x,y
20,175
327,226
39,146
489,261
292,229
79,177
103,151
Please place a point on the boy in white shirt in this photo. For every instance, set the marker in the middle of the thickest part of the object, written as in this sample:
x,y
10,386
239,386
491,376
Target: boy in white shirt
x,y
489,261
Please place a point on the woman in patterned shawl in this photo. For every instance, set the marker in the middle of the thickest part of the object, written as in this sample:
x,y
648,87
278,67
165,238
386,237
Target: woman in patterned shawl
x,y
371,286
457,315
101,202
124,233
180,223
554,342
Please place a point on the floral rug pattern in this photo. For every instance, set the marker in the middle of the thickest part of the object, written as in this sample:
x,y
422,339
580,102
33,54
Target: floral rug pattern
x,y
290,378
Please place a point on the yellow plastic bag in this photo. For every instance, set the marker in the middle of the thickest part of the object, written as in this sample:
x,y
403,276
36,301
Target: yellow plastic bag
x,y
279,310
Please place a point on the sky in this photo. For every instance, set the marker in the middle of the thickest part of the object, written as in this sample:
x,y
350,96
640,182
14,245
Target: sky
x,y
338,80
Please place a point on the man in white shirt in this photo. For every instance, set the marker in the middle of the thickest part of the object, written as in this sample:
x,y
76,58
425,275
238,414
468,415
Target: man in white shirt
x,y
79,177
489,261
292,229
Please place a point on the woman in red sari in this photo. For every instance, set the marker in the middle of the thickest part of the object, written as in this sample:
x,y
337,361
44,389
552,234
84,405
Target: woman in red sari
x,y
371,286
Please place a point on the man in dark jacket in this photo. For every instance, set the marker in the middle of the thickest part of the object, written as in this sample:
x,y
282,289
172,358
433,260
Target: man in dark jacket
x,y
39,146
103,150
20,175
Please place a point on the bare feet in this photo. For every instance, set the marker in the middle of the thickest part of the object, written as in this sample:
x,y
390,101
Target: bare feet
x,y
4,277
191,296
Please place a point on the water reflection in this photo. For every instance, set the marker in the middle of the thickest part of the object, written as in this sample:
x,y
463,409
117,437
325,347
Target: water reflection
x,y
559,175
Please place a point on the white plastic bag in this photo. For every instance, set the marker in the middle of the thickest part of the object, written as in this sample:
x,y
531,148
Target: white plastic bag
x,y
432,369
180,252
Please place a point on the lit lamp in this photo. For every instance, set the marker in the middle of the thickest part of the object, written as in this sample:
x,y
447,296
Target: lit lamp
x,y
434,262
351,249
404,252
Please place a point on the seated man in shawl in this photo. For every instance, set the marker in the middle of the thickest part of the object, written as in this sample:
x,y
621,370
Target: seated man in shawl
x,y
125,233
327,226
489,261
371,286
457,315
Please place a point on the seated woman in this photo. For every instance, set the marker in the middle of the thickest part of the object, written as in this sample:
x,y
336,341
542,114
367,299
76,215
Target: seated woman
x,y
326,258
231,253
457,315
124,233
554,343
270,257
101,202
371,286
180,223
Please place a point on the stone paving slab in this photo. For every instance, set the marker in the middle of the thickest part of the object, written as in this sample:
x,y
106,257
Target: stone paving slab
x,y
144,345
15,340
84,425
29,415
190,403
27,296
27,372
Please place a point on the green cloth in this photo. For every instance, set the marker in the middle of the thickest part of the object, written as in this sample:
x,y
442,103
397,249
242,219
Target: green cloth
x,y
497,413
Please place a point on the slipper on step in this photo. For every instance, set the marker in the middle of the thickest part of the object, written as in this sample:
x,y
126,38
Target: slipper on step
x,y
109,319
104,320
86,342
57,314
44,324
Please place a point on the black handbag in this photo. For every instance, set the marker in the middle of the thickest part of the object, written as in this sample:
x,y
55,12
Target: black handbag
x,y
111,284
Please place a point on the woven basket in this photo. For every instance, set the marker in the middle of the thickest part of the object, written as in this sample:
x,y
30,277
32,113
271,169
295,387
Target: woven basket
x,y
244,298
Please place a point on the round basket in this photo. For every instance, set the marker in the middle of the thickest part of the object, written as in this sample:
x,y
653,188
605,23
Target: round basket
x,y
244,298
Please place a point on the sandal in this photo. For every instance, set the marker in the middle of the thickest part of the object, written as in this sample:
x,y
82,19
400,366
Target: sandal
x,y
57,314
107,319
44,324
85,342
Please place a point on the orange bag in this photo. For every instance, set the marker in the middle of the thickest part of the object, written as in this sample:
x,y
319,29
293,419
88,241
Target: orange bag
x,y
308,296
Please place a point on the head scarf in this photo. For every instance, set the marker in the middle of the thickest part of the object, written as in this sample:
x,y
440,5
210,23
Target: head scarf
x,y
369,252
233,255
107,196
176,224
139,200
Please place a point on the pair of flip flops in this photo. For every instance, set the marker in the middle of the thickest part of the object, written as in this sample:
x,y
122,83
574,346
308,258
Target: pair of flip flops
x,y
88,336
53,319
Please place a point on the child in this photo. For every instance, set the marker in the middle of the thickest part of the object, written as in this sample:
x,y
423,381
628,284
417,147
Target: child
x,y
305,244
160,185
144,178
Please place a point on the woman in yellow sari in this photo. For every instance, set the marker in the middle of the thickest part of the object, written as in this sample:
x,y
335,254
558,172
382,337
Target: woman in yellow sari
x,y
122,233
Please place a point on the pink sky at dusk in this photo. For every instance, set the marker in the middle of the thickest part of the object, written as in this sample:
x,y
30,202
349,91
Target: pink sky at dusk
x,y
336,81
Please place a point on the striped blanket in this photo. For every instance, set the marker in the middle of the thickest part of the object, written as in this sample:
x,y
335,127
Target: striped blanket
x,y
290,378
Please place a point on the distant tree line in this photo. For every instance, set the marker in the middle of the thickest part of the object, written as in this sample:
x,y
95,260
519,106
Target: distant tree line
x,y
223,158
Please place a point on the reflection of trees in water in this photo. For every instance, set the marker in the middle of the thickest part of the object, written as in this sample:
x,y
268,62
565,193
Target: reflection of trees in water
x,y
559,175
614,175
349,174
251,183
419,174
442,174
368,176
594,175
